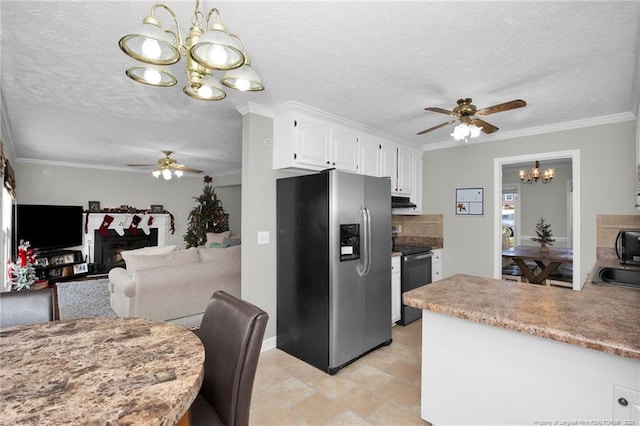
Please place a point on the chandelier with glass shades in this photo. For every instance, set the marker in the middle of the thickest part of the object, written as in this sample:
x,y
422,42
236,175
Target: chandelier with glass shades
x,y
208,48
534,175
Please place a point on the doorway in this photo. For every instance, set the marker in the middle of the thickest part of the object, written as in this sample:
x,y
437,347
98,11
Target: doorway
x,y
573,208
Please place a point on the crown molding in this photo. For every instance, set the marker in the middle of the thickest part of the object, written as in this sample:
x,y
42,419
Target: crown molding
x,y
557,127
253,108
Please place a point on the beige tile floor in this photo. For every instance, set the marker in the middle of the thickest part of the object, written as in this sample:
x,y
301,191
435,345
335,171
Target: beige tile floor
x,y
382,388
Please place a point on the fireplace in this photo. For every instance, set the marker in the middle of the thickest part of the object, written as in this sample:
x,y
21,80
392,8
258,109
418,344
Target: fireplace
x,y
107,249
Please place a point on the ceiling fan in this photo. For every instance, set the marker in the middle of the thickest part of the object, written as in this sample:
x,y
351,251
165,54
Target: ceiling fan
x,y
167,167
469,116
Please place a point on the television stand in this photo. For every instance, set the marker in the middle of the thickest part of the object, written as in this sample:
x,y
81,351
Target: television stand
x,y
60,265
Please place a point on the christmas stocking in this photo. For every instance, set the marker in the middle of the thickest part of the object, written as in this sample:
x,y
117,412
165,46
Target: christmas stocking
x,y
120,225
146,222
104,228
133,227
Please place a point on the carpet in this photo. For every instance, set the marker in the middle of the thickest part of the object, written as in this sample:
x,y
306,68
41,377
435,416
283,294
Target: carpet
x,y
84,299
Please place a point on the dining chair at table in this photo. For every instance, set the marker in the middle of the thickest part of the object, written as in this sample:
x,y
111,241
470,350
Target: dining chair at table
x,y
26,307
231,332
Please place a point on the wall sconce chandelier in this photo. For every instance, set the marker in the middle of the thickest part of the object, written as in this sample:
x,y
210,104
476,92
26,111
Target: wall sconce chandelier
x,y
533,175
206,50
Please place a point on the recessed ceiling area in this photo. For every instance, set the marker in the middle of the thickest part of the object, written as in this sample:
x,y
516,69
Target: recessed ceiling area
x,y
66,98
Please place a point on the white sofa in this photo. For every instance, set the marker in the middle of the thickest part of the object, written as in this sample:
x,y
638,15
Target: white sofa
x,y
174,286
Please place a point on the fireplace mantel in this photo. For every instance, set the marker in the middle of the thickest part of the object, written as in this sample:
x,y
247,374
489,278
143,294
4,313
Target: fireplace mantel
x,y
161,222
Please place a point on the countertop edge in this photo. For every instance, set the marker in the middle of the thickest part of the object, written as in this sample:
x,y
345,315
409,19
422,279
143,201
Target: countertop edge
x,y
417,298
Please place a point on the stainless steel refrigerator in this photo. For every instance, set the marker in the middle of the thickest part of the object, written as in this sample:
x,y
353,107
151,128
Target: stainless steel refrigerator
x,y
334,267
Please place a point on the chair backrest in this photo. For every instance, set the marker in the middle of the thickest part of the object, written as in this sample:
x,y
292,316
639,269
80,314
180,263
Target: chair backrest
x,y
231,332
26,307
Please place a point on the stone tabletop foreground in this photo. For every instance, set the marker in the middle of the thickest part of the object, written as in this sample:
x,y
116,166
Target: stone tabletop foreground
x,y
603,318
98,371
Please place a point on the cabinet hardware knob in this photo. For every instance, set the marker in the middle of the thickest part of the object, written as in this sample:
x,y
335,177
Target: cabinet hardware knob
x,y
622,401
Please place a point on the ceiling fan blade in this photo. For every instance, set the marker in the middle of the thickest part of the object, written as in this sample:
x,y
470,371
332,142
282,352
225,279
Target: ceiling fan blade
x,y
518,103
486,127
142,165
440,110
436,127
186,169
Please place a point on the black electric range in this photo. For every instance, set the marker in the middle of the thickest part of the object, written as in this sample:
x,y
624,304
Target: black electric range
x,y
415,272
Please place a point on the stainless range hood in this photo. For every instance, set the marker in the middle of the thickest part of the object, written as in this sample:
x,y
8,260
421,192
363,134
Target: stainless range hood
x,y
401,202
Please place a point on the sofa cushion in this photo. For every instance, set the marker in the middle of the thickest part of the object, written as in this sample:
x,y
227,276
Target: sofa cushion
x,y
232,241
147,251
175,258
217,237
218,255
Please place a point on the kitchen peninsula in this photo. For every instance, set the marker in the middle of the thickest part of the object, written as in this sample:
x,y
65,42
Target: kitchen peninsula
x,y
498,352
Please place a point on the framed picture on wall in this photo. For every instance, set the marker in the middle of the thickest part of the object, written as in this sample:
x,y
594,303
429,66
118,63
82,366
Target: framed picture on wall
x,y
94,206
469,201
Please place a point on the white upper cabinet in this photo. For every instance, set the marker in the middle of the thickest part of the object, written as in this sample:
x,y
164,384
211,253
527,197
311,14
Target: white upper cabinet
x,y
405,171
370,150
309,139
307,142
343,149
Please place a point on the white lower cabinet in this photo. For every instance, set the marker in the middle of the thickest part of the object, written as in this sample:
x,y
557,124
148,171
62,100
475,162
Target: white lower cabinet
x,y
436,265
396,297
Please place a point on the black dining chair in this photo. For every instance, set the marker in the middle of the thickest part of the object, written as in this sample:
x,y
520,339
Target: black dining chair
x,y
231,332
26,307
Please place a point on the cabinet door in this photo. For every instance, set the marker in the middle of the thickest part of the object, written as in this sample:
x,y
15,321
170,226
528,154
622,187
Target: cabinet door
x,y
312,141
405,171
344,149
395,289
369,156
388,155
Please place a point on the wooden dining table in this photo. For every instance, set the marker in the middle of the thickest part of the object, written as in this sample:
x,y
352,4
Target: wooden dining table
x,y
98,371
547,262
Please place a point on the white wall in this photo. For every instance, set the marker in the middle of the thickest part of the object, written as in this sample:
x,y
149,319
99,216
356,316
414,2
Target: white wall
x,y
63,185
259,215
608,176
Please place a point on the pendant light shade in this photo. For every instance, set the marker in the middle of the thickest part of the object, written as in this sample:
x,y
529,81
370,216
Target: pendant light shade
x,y
152,76
217,50
211,90
244,78
149,43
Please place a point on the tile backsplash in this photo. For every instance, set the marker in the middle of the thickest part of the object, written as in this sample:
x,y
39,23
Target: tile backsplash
x,y
607,227
423,229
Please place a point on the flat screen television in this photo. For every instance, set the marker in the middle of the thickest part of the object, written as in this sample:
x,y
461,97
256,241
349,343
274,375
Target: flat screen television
x,y
48,227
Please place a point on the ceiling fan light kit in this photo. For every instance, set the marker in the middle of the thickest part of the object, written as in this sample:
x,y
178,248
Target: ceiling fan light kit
x,y
207,49
167,167
471,125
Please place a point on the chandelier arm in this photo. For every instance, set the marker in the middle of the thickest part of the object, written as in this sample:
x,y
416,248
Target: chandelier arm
x,y
244,46
209,14
175,21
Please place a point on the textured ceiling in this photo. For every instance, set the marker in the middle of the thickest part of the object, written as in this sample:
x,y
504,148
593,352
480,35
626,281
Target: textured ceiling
x,y
66,98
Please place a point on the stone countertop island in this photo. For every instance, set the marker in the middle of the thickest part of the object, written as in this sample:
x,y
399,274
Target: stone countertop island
x,y
497,352
100,371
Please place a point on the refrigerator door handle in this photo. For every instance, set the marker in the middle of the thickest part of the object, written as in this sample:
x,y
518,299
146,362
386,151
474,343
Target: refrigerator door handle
x,y
367,240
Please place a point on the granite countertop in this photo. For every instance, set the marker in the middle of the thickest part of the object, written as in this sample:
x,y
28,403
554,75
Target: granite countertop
x,y
98,371
603,318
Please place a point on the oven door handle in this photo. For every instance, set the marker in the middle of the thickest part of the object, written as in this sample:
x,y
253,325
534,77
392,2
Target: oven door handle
x,y
418,256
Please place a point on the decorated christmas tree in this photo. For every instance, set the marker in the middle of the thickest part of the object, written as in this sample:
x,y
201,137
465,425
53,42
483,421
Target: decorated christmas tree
x,y
543,230
207,216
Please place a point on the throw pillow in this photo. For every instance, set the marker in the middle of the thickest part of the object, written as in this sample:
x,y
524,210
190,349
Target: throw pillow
x,y
232,241
147,251
219,245
217,237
